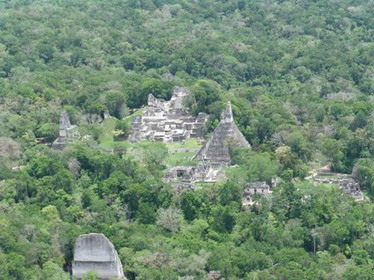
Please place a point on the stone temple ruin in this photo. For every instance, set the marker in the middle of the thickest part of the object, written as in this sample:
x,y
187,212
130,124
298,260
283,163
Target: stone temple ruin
x,y
348,185
167,121
94,252
216,149
214,155
197,174
67,133
251,189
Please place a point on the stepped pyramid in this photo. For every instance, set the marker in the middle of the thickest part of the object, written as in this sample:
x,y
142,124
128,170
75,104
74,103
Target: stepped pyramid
x,y
216,149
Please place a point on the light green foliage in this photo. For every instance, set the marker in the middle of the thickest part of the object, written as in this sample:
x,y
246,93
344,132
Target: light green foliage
x,y
91,275
169,219
299,75
332,149
181,159
153,155
107,127
122,129
49,131
204,93
54,272
255,166
363,172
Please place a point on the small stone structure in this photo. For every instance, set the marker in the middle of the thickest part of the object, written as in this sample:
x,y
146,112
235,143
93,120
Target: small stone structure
x,y
92,118
203,172
257,188
216,149
184,173
167,121
67,133
94,252
252,189
348,185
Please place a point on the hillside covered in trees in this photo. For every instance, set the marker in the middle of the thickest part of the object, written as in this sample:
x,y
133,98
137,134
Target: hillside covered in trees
x,y
300,78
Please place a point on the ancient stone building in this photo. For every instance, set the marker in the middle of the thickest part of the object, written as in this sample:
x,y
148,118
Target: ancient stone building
x,y
213,155
256,188
202,172
216,149
94,252
167,121
348,185
67,133
252,189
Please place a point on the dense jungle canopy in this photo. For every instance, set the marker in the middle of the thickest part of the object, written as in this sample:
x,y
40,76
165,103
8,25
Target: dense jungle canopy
x,y
300,77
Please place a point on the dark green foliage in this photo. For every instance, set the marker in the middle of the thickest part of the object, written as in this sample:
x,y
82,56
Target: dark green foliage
x,y
223,218
299,75
191,203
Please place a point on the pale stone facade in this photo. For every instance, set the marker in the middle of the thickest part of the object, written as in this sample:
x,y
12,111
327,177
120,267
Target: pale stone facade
x,y
94,252
256,188
67,133
167,121
194,174
251,189
214,155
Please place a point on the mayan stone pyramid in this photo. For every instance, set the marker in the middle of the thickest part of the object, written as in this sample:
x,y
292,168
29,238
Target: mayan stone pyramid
x,y
216,149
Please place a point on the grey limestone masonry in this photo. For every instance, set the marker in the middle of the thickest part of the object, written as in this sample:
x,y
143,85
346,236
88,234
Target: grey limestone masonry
x,y
214,155
251,189
216,149
348,185
201,173
167,121
94,252
67,133
256,188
